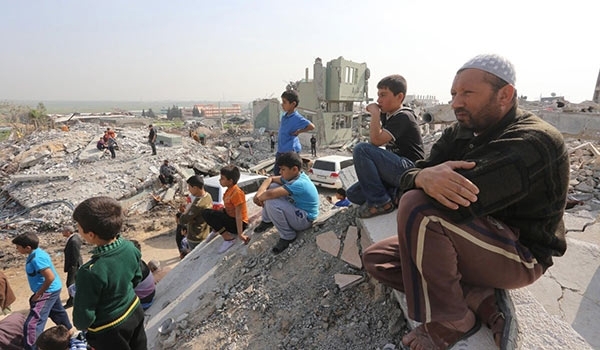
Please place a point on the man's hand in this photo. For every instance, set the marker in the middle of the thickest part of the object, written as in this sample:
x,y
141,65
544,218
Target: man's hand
x,y
257,201
444,184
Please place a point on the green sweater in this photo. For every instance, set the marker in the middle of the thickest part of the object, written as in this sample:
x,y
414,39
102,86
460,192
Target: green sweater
x,y
104,286
522,173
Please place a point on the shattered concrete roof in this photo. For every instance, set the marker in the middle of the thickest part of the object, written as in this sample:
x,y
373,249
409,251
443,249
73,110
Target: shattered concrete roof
x,y
64,168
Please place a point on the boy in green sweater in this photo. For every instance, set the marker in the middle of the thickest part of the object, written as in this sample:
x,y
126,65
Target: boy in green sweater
x,y
105,302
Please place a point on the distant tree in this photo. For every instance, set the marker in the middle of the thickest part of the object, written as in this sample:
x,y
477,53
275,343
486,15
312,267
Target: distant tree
x,y
195,111
150,113
9,112
143,113
38,117
174,113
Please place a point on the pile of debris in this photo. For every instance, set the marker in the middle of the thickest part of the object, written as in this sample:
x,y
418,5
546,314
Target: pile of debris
x,y
45,174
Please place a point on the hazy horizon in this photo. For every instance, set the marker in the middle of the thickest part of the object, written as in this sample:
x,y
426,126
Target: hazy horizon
x,y
236,50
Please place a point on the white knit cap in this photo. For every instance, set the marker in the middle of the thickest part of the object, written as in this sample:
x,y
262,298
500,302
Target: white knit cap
x,y
494,64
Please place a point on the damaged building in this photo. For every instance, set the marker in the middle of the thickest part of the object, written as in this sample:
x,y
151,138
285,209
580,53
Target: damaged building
x,y
327,100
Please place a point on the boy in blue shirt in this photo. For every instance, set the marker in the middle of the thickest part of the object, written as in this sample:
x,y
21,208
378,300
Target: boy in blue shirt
x,y
342,201
290,202
292,125
45,284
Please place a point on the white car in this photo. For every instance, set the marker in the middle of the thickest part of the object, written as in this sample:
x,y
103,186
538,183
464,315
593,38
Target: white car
x,y
249,183
325,171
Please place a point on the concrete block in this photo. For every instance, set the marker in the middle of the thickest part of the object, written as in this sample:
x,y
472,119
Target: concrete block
x,y
344,281
578,220
170,140
350,252
329,242
379,227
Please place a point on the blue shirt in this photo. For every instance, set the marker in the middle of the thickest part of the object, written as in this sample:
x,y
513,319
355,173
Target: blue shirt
x,y
37,261
342,203
304,194
290,123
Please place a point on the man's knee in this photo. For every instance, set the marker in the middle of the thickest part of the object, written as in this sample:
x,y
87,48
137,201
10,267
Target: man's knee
x,y
361,149
368,259
412,199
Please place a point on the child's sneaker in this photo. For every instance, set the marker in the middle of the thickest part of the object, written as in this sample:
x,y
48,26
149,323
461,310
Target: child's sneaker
x,y
210,236
263,226
226,245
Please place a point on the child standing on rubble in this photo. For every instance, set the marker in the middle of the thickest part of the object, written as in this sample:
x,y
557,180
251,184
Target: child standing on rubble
x,y
45,285
105,304
231,221
292,125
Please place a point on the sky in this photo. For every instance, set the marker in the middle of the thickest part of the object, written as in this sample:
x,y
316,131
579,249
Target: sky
x,y
245,50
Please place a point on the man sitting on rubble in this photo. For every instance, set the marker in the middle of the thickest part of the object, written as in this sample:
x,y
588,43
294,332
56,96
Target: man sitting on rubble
x,y
483,212
166,173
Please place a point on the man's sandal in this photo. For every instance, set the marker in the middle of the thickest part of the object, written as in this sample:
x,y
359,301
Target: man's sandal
x,y
434,336
368,212
495,312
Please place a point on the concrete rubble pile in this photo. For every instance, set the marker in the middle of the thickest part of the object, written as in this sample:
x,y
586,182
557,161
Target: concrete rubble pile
x,y
46,173
64,168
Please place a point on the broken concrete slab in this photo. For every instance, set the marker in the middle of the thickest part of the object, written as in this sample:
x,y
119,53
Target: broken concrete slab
x,y
264,165
344,281
379,227
329,242
538,329
577,221
350,252
321,219
15,179
34,158
365,240
569,289
590,234
171,140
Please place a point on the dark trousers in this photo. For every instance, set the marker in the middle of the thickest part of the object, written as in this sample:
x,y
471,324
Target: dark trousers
x,y
71,274
112,151
153,145
219,221
166,179
129,335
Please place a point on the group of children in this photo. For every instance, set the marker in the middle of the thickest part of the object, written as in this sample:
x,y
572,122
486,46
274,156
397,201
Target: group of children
x,y
105,305
196,219
108,142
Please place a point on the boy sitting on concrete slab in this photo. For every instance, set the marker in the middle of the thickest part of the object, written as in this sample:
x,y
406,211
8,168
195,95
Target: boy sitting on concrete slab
x,y
233,219
290,201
